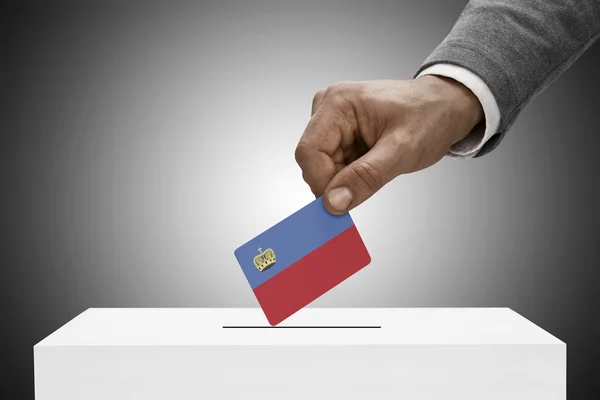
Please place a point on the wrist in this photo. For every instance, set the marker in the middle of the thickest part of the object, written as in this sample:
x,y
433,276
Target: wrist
x,y
461,102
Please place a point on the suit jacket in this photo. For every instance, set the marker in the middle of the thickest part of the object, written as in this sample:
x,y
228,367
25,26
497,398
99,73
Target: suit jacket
x,y
518,48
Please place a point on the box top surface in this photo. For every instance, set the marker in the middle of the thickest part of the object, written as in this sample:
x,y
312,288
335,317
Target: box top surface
x,y
310,326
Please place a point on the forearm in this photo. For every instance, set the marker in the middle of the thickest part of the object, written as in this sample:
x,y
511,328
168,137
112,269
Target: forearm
x,y
518,47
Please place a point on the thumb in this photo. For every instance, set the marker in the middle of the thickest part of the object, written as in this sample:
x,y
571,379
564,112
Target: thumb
x,y
361,179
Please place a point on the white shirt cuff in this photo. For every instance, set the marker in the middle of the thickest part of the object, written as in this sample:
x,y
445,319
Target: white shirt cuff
x,y
470,145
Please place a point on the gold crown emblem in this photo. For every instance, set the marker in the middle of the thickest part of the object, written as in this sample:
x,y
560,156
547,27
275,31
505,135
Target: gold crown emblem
x,y
264,259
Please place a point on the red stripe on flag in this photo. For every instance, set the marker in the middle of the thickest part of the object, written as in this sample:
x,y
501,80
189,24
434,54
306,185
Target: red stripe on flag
x,y
313,275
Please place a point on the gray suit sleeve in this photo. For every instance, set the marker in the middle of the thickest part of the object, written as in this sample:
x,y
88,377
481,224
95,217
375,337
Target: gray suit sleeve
x,y
518,48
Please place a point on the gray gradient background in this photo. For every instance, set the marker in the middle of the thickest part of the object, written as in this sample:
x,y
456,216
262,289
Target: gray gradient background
x,y
142,143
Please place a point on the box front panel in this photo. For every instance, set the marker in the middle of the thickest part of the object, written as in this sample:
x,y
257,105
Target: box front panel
x,y
516,372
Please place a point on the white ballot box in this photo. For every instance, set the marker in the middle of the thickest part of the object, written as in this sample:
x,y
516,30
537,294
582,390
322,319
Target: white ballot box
x,y
344,353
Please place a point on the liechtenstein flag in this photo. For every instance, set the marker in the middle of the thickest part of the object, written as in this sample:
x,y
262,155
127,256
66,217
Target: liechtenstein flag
x,y
301,258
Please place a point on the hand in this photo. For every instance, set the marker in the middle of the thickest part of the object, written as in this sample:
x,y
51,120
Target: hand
x,y
364,134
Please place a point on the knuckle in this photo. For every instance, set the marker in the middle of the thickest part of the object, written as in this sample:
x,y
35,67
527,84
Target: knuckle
x,y
404,143
413,150
338,100
396,142
413,156
317,97
341,95
370,175
336,89
300,153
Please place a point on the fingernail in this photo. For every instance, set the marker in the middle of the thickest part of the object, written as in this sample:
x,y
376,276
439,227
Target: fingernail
x,y
340,198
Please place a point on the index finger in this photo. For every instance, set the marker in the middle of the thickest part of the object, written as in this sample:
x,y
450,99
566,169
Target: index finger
x,y
318,152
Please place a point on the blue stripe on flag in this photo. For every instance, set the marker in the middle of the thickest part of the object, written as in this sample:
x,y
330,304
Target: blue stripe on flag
x,y
291,239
